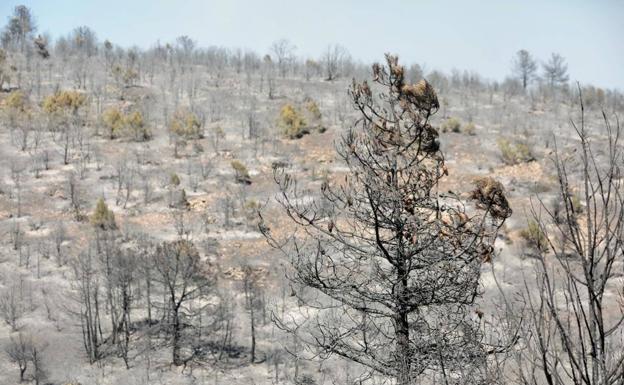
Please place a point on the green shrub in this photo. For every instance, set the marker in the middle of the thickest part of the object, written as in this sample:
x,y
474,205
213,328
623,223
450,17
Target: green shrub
x,y
137,127
15,106
127,76
292,122
174,179
103,218
451,125
251,210
186,124
535,236
64,101
182,201
16,100
113,120
313,114
470,129
577,206
242,174
313,109
118,123
514,153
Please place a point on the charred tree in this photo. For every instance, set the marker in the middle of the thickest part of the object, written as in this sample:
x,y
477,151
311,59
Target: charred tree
x,y
393,263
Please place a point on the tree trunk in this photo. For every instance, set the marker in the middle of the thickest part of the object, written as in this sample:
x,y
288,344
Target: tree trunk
x,y
148,287
176,338
253,335
403,362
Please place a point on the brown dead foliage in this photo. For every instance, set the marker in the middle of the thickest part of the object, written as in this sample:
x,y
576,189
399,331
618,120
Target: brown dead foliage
x,y
490,195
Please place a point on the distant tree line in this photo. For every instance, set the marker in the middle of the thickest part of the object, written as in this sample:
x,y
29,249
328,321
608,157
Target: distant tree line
x,y
80,50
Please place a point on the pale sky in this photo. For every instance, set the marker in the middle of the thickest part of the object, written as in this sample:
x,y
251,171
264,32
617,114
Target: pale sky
x,y
468,35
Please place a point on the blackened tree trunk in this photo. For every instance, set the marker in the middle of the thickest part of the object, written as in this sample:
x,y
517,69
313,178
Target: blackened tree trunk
x,y
395,263
184,277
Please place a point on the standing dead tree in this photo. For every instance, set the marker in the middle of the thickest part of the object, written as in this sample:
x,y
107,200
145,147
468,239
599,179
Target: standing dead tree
x,y
11,306
575,335
184,278
88,298
252,288
283,51
333,59
394,264
19,352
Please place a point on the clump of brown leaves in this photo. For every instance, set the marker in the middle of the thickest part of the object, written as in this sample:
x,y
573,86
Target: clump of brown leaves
x,y
490,195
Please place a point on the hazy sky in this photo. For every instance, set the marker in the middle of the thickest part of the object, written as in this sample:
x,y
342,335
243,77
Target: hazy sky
x,y
474,35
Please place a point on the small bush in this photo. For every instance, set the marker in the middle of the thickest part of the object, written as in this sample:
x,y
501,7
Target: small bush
x,y
174,179
514,153
137,127
292,122
451,125
470,129
577,206
535,236
102,217
114,121
16,101
15,105
179,199
314,115
313,109
64,101
305,380
127,76
242,174
573,201
252,204
251,210
186,124
132,124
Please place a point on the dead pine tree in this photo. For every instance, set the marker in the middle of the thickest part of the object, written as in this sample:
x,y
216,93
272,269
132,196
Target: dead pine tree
x,y
393,263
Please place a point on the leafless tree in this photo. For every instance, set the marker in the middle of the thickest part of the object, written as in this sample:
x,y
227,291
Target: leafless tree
x,y
11,305
83,43
17,176
19,351
183,277
23,350
88,298
145,270
577,311
125,268
36,356
108,254
59,236
283,51
17,235
252,282
333,60
394,264
74,192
